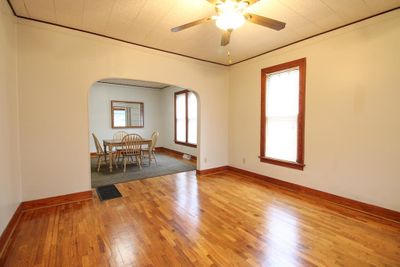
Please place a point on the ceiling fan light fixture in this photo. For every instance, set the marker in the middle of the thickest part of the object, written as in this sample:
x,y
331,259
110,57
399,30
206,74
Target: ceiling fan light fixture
x,y
230,21
230,15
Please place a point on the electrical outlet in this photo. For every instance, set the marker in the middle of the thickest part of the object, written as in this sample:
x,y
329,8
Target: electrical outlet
x,y
205,160
244,160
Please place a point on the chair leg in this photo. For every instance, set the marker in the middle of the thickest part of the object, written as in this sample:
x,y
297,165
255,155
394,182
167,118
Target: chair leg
x,y
139,161
99,160
97,163
118,156
154,156
125,164
149,154
116,161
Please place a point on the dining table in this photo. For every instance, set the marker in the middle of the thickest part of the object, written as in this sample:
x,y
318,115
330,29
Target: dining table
x,y
109,144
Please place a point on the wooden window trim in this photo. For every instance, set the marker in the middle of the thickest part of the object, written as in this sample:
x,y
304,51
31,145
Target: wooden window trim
x,y
299,163
187,120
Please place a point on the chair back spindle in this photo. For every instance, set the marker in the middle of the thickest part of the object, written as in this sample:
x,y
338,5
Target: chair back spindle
x,y
119,135
131,144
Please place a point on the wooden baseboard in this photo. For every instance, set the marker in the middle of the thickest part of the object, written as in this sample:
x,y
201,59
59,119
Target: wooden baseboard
x,y
57,200
5,237
342,201
212,170
178,153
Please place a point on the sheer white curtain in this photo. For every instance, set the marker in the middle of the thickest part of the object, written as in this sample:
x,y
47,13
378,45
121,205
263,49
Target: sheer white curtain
x,y
282,110
181,117
192,118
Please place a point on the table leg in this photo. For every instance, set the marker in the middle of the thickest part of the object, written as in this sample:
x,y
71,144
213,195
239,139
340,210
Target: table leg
x,y
105,151
110,157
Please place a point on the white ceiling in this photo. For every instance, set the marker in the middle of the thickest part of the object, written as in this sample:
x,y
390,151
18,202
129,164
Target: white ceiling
x,y
136,83
148,22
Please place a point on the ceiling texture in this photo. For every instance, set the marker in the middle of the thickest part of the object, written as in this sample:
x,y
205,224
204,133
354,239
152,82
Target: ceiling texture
x,y
148,22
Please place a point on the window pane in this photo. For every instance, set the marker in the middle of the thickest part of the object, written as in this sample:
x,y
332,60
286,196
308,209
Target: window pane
x,y
180,130
192,118
281,138
181,117
282,109
119,118
283,94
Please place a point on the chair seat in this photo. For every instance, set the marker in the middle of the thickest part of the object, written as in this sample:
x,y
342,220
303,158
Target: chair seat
x,y
105,153
124,153
147,149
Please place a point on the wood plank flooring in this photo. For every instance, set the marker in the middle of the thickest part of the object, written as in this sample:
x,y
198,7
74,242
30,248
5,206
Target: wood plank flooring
x,y
218,220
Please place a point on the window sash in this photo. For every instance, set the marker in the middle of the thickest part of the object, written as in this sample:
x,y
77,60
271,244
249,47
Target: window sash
x,y
282,109
180,117
186,118
282,125
192,118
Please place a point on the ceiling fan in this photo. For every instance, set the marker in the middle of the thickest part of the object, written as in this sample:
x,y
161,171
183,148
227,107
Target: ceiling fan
x,y
231,14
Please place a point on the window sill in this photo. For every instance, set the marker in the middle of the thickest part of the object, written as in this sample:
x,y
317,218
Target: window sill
x,y
185,144
284,163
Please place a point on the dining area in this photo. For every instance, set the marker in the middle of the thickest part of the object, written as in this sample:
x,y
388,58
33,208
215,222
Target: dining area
x,y
132,133
125,156
124,149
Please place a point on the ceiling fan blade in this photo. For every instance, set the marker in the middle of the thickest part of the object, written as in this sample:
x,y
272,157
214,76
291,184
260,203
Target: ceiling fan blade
x,y
251,2
226,37
190,24
266,22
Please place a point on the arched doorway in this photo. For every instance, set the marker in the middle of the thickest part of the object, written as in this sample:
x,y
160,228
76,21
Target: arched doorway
x,y
142,107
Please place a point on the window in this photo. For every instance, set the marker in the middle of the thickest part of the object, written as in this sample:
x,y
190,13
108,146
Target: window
x,y
186,118
282,114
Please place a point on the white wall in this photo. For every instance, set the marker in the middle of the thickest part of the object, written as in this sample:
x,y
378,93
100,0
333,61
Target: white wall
x,y
352,128
100,97
351,107
10,180
167,138
56,68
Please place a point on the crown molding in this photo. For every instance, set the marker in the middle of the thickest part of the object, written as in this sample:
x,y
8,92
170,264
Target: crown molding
x,y
200,59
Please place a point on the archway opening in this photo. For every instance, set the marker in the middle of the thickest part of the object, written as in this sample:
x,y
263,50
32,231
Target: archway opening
x,y
164,116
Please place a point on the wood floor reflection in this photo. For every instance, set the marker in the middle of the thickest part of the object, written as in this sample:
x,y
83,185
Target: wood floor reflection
x,y
219,220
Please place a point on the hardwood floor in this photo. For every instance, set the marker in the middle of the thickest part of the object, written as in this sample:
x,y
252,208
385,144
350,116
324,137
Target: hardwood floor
x,y
218,220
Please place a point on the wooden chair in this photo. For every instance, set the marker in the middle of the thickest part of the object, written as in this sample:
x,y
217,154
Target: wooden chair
x,y
101,156
118,136
131,148
149,152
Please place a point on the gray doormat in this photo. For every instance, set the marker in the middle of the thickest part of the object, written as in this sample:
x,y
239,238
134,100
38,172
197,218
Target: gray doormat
x,y
108,192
